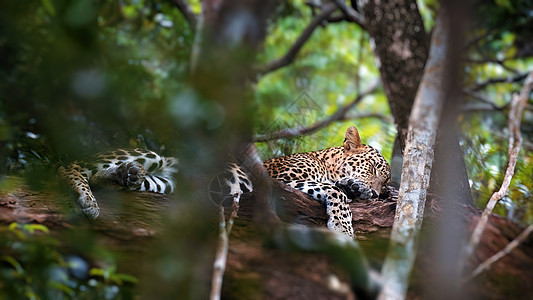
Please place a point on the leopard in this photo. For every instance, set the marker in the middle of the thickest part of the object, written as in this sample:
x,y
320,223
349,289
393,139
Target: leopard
x,y
333,176
135,169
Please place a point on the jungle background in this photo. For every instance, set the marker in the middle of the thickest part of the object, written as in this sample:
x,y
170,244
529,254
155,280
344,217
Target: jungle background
x,y
79,77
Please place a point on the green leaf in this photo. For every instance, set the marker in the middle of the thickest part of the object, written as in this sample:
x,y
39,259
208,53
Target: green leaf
x,y
13,226
31,228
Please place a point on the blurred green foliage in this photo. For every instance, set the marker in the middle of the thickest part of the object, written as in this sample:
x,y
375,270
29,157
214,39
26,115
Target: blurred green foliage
x,y
95,75
502,53
333,66
80,76
32,267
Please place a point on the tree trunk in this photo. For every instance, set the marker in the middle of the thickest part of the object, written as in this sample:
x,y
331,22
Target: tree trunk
x,y
416,169
228,35
401,47
232,32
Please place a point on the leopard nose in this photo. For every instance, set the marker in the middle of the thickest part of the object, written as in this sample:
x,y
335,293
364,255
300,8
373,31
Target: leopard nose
x,y
374,194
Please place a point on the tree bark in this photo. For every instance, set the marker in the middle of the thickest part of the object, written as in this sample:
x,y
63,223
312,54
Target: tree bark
x,y
401,48
449,179
416,169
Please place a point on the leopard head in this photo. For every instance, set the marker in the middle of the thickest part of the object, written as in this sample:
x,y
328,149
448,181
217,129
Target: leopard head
x,y
364,162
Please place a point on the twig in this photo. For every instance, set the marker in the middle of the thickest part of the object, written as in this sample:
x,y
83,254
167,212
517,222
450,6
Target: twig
x,y
340,114
221,256
187,12
475,40
500,62
505,251
518,104
481,108
481,98
288,58
509,79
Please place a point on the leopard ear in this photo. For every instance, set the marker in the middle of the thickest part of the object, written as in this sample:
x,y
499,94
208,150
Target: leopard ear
x,y
352,142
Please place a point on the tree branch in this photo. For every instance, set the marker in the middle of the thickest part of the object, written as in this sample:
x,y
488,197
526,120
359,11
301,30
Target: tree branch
x,y
518,104
500,62
474,41
187,13
502,253
350,13
340,114
337,18
481,98
288,58
221,256
509,79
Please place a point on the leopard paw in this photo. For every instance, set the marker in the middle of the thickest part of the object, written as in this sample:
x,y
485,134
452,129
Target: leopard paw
x,y
89,206
355,189
131,174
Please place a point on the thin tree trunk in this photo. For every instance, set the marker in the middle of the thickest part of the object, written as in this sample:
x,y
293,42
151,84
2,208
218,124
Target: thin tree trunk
x,y
416,169
449,179
229,33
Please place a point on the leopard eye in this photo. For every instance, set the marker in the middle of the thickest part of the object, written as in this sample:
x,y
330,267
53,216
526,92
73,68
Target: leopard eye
x,y
376,170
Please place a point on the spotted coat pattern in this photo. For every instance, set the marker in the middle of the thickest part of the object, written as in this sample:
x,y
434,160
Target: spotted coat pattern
x,y
136,169
334,176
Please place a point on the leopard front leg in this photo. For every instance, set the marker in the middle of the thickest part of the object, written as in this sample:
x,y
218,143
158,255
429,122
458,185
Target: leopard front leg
x,y
337,208
79,183
356,189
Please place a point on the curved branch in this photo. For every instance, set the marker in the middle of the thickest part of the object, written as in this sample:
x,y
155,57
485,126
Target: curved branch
x,y
500,62
518,104
288,58
502,253
482,99
340,114
509,79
